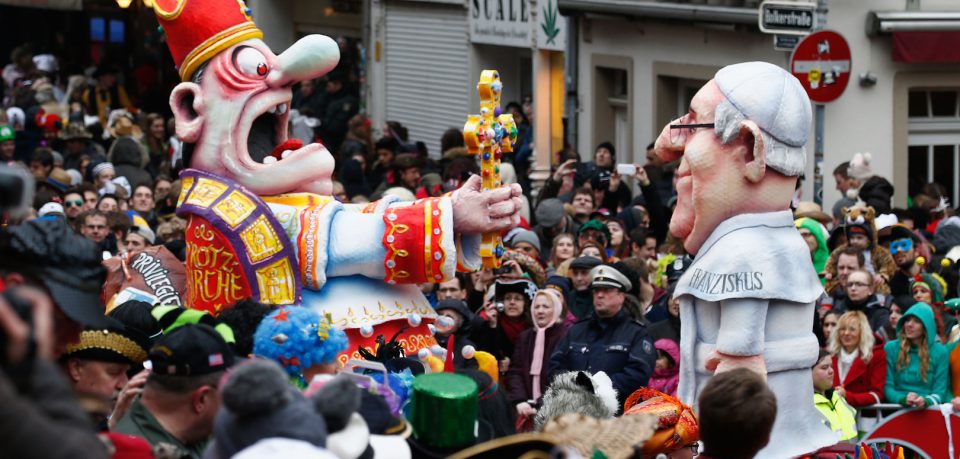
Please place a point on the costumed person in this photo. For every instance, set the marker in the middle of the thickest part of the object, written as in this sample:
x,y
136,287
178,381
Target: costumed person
x,y
861,232
304,343
741,148
816,238
928,288
261,219
837,413
917,365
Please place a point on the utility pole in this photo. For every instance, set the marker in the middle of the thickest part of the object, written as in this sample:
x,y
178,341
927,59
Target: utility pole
x,y
818,121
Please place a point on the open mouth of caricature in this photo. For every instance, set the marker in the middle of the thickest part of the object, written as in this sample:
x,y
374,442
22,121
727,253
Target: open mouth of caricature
x,y
267,140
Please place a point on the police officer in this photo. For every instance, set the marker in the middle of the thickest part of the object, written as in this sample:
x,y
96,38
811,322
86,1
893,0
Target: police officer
x,y
608,340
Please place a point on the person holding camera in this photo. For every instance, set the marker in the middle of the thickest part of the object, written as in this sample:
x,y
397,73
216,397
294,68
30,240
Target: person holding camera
x,y
50,278
501,321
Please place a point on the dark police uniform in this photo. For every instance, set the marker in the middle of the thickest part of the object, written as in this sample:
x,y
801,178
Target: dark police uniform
x,y
619,346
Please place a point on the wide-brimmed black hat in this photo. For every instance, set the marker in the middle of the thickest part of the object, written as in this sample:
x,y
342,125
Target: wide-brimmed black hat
x,y
68,265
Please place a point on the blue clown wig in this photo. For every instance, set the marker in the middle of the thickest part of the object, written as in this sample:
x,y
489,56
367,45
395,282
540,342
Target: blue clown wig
x,y
298,338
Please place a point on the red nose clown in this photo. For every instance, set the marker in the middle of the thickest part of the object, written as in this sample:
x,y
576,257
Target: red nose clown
x,y
197,30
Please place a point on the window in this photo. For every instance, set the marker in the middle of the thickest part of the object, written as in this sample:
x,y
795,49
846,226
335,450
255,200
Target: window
x,y
934,140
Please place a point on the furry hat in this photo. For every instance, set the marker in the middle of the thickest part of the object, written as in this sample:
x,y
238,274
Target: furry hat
x,y
860,167
259,403
578,392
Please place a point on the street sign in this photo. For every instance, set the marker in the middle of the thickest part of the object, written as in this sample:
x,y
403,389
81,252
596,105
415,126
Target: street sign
x,y
787,17
822,64
785,42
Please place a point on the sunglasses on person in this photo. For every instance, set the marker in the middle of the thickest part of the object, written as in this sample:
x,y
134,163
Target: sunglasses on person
x,y
901,245
77,203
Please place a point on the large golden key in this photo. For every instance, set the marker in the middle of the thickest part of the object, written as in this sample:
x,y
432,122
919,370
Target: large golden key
x,y
490,134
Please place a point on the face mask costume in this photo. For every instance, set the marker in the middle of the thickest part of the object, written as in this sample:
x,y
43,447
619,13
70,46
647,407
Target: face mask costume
x,y
261,219
750,290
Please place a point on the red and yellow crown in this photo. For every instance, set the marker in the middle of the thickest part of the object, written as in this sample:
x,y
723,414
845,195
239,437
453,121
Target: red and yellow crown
x,y
197,30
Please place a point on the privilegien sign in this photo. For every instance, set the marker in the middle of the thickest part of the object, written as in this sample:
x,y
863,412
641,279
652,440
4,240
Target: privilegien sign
x,y
501,22
788,17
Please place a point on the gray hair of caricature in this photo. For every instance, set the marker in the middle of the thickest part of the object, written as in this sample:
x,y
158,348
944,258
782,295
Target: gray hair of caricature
x,y
779,156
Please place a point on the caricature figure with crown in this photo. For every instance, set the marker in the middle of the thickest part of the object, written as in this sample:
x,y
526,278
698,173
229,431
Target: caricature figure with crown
x,y
261,219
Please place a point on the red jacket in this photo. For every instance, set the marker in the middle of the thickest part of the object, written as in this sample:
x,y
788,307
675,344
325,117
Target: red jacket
x,y
864,381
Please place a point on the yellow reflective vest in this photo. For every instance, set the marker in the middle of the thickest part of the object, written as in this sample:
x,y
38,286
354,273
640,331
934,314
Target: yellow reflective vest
x,y
839,416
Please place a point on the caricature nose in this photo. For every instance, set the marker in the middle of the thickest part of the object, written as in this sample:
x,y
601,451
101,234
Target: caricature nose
x,y
310,57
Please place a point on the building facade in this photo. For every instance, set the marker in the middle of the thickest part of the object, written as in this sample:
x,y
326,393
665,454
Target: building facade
x,y
639,63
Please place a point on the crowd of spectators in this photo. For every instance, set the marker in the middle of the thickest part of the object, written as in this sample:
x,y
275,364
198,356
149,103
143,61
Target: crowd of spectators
x,y
586,284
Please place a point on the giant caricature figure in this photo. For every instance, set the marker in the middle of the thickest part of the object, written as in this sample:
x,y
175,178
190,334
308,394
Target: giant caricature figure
x,y
261,221
747,299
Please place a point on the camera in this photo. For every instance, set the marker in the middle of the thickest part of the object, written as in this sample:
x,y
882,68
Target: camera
x,y
499,306
23,310
503,269
16,191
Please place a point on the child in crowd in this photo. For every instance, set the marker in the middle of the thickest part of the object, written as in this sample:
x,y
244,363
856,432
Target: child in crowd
x,y
839,415
666,374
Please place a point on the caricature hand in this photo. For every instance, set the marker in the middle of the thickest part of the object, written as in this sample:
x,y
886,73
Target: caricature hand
x,y
719,362
476,211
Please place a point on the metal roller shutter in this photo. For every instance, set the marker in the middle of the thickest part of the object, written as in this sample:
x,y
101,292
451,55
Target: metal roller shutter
x,y
427,69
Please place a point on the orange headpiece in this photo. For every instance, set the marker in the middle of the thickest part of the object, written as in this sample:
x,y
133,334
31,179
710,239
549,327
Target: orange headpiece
x,y
199,29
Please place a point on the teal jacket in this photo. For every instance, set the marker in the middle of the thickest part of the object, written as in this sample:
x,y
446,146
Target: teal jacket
x,y
936,388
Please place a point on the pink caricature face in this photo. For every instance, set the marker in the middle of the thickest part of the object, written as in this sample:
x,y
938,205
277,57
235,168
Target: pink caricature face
x,y
238,113
717,181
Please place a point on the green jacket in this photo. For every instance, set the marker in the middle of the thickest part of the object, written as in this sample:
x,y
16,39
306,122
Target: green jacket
x,y
936,388
822,253
140,422
840,416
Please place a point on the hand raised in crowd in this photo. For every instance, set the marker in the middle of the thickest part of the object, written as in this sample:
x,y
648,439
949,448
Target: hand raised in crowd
x,y
514,272
524,409
129,393
565,169
879,280
504,365
490,313
840,390
18,331
641,176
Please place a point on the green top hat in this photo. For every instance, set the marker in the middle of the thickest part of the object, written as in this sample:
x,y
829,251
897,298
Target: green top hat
x,y
444,409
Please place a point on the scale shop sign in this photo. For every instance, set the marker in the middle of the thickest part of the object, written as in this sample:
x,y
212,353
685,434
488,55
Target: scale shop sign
x,y
501,22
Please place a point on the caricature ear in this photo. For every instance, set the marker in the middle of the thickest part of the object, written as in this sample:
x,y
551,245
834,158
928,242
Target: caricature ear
x,y
754,151
186,101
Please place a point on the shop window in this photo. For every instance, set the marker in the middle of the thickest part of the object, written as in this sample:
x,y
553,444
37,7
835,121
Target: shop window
x,y
98,29
116,31
934,141
612,117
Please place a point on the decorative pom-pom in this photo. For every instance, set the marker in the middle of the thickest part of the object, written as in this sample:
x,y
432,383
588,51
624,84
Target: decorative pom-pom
x,y
414,319
366,331
468,352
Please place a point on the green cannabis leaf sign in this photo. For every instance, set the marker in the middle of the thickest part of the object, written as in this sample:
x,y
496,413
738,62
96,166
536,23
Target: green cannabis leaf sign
x,y
549,23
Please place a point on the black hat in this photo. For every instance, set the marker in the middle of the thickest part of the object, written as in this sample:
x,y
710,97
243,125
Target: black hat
x,y
190,350
522,286
459,306
115,343
585,262
69,265
559,283
676,269
899,231
406,161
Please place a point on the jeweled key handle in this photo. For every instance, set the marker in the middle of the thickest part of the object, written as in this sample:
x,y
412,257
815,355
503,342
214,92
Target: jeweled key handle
x,y
490,134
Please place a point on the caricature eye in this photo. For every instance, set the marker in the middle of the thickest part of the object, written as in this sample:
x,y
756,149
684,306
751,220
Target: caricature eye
x,y
251,62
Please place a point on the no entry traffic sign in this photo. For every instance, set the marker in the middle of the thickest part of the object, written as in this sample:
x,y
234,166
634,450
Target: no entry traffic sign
x,y
822,64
